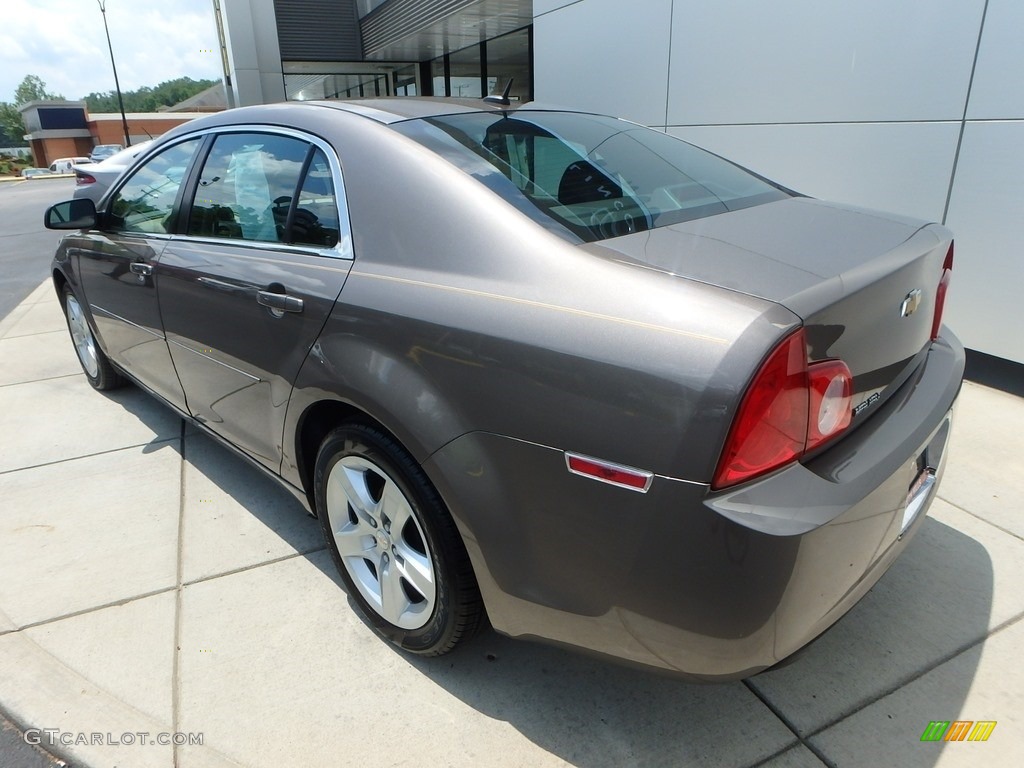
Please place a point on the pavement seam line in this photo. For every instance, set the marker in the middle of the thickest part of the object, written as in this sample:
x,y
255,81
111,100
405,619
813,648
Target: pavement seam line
x,y
14,327
959,651
779,753
84,611
244,568
982,519
34,381
786,722
58,331
176,663
88,455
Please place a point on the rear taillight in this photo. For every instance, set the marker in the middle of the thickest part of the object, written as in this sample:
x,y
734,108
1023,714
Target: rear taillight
x,y
831,386
940,293
790,407
81,179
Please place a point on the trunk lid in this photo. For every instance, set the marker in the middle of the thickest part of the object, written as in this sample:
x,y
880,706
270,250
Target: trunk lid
x,y
863,282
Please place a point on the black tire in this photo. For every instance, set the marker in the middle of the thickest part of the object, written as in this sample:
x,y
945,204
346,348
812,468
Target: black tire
x,y
391,540
95,364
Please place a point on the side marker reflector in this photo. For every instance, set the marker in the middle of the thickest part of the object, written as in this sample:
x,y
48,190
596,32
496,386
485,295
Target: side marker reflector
x,y
608,472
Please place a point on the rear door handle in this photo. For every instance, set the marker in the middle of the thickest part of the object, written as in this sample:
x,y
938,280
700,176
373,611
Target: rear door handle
x,y
279,301
141,268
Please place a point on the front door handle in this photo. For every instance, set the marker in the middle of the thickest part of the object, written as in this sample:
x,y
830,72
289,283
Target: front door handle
x,y
279,301
141,268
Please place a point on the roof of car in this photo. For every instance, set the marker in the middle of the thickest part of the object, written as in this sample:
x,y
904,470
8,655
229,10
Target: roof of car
x,y
397,108
384,111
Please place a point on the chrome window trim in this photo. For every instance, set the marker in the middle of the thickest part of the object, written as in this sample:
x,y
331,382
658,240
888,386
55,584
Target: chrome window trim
x,y
143,235
262,245
343,250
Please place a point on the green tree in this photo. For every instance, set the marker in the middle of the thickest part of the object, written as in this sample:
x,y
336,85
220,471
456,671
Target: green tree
x,y
32,88
148,99
11,126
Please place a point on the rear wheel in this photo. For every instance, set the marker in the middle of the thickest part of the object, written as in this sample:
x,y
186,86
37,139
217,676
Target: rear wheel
x,y
95,364
394,542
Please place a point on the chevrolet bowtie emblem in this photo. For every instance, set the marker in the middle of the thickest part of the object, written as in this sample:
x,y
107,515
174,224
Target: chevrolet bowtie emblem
x,y
910,303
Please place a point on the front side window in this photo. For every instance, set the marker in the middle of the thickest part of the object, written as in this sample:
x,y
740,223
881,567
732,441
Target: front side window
x,y
246,187
146,201
595,177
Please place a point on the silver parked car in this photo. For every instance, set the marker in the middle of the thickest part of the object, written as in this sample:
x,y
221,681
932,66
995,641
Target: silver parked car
x,y
92,180
553,369
102,151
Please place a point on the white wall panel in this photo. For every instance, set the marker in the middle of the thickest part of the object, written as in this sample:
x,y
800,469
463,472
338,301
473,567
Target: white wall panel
x,y
998,90
986,214
543,6
253,51
898,167
858,102
605,55
737,61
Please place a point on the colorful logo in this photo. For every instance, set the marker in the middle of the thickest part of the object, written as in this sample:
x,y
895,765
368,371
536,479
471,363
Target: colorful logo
x,y
958,730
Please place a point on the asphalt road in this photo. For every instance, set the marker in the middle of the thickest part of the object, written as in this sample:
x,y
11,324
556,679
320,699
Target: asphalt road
x,y
26,247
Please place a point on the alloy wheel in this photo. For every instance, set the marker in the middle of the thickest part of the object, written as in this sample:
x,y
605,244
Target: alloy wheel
x,y
381,542
81,336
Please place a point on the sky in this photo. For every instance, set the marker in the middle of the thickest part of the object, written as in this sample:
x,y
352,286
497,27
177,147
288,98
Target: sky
x,y
62,41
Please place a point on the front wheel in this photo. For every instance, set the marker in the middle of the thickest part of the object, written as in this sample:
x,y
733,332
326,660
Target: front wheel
x,y
95,364
394,542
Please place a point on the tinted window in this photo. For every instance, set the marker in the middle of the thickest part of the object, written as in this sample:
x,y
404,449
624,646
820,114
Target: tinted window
x,y
146,201
597,177
246,187
315,221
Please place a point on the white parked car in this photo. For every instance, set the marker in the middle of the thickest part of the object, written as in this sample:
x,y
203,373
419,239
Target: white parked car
x,y
66,164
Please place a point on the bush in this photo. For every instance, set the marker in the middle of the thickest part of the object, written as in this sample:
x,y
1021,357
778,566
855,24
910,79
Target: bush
x,y
11,166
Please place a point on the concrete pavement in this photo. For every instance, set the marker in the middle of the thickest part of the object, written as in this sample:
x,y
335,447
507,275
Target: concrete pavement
x,y
151,582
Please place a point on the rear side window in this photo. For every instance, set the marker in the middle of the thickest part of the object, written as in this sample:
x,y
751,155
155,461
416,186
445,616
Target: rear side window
x,y
145,203
246,187
596,177
315,220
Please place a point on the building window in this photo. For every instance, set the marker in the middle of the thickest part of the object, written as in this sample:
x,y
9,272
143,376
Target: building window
x,y
466,76
439,76
508,57
486,68
336,86
404,81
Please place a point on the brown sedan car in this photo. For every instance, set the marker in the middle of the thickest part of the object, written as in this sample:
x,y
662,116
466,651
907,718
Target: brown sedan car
x,y
553,369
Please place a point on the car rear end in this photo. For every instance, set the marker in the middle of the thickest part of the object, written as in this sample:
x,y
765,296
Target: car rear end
x,y
773,499
838,436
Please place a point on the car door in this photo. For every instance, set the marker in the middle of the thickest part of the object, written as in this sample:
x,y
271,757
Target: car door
x,y
247,285
116,267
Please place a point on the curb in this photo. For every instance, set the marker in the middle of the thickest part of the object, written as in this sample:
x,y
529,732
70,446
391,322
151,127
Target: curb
x,y
47,176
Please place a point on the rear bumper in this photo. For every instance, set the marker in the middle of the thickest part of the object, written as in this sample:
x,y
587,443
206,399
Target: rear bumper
x,y
711,585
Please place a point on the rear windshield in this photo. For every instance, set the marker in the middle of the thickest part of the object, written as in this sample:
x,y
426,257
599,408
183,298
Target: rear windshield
x,y
590,177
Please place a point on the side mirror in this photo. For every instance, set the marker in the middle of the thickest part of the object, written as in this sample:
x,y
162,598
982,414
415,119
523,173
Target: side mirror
x,y
71,214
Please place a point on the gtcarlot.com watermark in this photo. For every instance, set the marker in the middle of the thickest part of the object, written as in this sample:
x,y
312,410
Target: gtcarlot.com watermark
x,y
47,736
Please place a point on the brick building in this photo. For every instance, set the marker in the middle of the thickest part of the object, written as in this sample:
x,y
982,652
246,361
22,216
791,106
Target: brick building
x,y
66,129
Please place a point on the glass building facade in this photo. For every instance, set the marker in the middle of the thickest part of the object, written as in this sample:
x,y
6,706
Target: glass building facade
x,y
342,49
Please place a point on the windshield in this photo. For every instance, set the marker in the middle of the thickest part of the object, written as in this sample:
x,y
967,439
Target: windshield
x,y
594,177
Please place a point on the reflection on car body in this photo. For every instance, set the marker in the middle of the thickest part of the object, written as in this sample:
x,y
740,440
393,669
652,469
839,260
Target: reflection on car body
x,y
552,369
